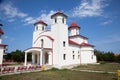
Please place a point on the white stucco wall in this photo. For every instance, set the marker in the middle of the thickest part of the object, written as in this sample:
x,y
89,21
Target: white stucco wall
x,y
1,54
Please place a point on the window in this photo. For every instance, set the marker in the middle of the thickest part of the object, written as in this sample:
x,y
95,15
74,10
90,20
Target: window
x,y
73,56
73,51
92,57
62,20
64,56
55,20
42,43
63,43
42,27
78,56
36,27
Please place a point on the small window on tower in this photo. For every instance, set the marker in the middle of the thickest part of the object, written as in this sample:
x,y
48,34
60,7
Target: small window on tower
x,y
73,57
55,20
36,27
64,56
62,20
42,27
63,43
78,56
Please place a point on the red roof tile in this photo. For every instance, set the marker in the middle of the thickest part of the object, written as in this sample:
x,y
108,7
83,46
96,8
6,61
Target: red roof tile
x,y
1,32
82,44
78,36
41,22
73,25
59,13
72,42
3,45
86,44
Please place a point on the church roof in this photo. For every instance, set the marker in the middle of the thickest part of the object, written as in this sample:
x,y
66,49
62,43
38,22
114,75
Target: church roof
x,y
41,22
73,43
78,36
59,13
86,44
82,44
3,45
1,31
73,25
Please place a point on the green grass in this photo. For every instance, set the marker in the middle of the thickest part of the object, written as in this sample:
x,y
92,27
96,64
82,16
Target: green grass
x,y
101,67
59,75
65,74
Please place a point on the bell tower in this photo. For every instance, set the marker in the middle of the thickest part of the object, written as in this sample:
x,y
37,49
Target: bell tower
x,y
40,27
59,30
74,29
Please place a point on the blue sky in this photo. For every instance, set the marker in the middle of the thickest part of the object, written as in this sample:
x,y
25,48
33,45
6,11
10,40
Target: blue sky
x,y
99,20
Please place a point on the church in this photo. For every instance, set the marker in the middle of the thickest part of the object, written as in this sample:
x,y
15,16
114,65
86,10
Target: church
x,y
56,48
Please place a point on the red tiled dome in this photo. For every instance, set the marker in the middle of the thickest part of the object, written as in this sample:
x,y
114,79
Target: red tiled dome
x,y
74,25
58,13
41,22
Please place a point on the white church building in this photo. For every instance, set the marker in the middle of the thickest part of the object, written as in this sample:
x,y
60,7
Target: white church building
x,y
56,48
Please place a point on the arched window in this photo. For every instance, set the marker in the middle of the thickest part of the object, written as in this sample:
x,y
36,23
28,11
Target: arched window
x,y
42,42
55,20
62,20
42,27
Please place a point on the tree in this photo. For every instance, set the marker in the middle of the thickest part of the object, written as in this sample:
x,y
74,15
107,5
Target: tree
x,y
17,56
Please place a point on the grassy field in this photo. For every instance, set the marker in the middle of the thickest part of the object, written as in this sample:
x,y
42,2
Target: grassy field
x,y
59,75
68,74
102,67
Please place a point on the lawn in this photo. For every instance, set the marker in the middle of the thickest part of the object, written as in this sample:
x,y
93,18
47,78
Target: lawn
x,y
108,67
60,75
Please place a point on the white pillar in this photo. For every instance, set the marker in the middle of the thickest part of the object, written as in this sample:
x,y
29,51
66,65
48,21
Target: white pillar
x,y
38,58
1,55
33,58
50,58
41,55
25,59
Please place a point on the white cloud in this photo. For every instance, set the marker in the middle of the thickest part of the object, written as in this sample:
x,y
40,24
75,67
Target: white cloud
x,y
44,16
89,8
11,20
106,22
12,11
108,40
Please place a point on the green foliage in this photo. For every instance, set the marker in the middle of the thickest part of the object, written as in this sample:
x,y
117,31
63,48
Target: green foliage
x,y
105,56
17,56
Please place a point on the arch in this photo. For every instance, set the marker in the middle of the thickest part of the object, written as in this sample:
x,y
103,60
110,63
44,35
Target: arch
x,y
44,36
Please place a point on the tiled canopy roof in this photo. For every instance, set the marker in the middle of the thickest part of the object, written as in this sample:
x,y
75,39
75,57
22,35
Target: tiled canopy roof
x,y
59,13
41,22
82,44
73,25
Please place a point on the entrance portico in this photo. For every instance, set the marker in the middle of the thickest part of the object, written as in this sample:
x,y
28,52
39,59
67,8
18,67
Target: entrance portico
x,y
40,56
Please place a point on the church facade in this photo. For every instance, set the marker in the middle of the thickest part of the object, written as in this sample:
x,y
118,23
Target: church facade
x,y
56,48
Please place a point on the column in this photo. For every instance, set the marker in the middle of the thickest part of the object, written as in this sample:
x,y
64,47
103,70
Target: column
x,y
33,58
41,55
25,63
49,58
38,58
